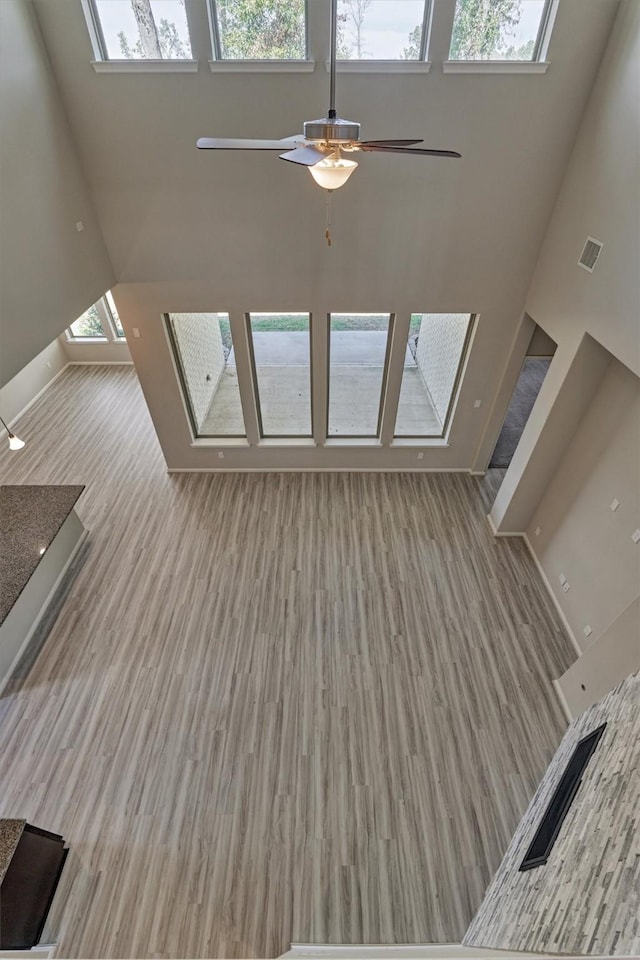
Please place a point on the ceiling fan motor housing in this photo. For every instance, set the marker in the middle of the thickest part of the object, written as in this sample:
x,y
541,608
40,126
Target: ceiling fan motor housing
x,y
332,129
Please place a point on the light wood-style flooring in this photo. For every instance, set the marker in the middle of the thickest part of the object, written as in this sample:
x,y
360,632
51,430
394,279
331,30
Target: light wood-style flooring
x,y
273,708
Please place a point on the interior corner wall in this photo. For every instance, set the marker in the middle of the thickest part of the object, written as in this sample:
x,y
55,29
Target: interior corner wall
x,y
20,392
573,379
599,197
580,536
49,271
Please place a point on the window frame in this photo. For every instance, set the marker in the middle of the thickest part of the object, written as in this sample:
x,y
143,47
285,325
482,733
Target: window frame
x,y
457,381
220,438
217,59
256,384
103,63
396,65
111,334
373,438
537,64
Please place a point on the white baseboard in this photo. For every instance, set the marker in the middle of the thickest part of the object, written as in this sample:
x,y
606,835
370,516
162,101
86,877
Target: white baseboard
x,y
563,701
100,363
554,599
40,392
411,469
497,533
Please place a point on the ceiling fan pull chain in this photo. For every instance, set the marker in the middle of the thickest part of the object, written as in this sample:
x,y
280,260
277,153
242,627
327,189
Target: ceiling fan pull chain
x,y
327,232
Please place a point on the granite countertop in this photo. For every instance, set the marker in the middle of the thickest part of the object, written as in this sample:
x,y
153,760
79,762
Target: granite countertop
x,y
30,518
10,833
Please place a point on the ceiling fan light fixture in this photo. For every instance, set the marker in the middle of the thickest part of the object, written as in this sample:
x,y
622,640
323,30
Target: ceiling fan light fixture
x,y
332,172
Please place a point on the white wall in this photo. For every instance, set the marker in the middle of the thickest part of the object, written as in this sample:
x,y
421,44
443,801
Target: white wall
x,y
20,392
580,536
614,655
193,231
440,345
48,271
600,197
202,355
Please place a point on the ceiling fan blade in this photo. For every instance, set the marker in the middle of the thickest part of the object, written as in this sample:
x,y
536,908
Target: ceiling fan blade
x,y
308,156
222,143
388,143
418,150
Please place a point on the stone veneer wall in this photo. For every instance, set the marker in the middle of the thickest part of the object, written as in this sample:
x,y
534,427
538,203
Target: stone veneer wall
x,y
586,898
440,344
201,354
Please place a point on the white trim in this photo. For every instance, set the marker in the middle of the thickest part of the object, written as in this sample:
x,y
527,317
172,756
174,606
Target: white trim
x,y
495,66
564,706
381,66
31,402
263,469
72,339
478,473
100,363
262,66
560,611
145,66
417,443
45,605
215,443
548,29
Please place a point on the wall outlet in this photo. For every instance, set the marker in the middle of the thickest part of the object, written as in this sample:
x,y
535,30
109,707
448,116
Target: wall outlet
x,y
613,506
136,332
220,455
635,536
562,579
566,586
421,455
587,631
79,226
477,403
537,531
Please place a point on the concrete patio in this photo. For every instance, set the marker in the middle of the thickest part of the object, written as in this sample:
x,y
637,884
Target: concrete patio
x,y
356,368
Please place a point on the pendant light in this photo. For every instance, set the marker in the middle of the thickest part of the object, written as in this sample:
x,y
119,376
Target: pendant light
x,y
14,442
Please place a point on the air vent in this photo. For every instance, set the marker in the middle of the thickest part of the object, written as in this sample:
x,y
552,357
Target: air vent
x,y
590,254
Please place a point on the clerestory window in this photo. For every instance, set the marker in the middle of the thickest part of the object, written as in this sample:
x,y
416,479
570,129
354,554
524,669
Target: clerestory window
x,y
139,29
259,29
511,30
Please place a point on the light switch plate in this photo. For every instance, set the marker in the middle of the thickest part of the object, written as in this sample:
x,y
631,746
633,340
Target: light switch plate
x,y
562,579
613,506
477,403
566,586
635,536
587,631
537,531
220,455
136,332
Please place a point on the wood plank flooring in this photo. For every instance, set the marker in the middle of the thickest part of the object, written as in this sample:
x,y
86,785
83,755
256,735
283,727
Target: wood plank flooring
x,y
274,707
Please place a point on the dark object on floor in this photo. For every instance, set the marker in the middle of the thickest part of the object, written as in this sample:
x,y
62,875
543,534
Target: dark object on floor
x,y
524,396
28,887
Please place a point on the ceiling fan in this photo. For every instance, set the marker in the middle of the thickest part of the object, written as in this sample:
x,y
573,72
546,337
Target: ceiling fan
x,y
322,146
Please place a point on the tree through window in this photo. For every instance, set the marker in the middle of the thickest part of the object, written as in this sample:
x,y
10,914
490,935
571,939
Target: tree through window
x,y
497,29
144,29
